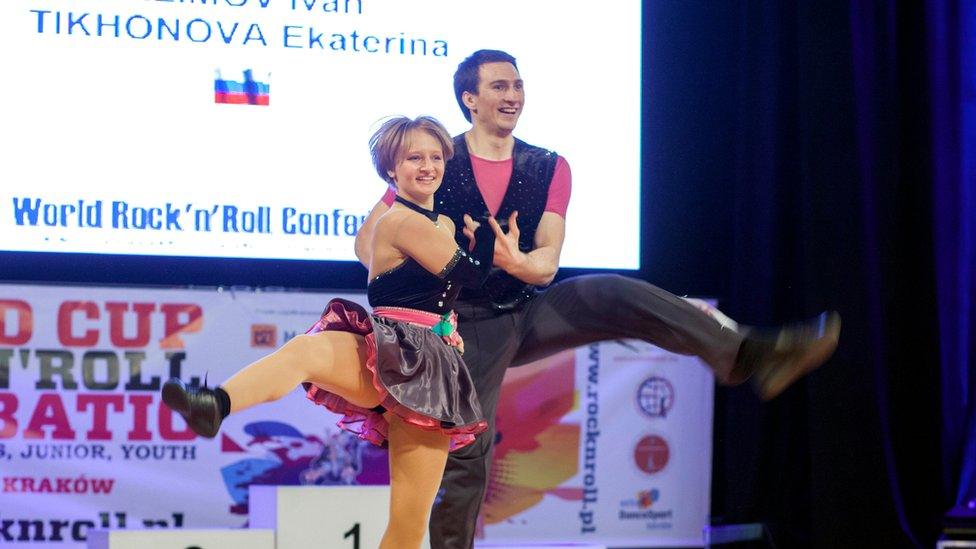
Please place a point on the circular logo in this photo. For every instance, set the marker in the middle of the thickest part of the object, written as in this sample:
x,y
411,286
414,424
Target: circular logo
x,y
655,396
651,454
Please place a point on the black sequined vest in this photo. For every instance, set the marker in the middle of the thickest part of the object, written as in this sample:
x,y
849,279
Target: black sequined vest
x,y
528,191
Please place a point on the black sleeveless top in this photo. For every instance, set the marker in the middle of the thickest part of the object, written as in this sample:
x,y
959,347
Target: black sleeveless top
x,y
414,287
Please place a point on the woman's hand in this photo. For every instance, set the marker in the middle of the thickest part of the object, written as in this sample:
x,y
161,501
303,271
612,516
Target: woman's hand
x,y
470,226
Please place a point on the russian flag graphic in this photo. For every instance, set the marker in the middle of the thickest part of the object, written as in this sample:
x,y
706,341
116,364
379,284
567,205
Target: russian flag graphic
x,y
247,91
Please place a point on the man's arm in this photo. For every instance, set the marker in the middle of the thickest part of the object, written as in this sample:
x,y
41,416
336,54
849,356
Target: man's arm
x,y
364,237
539,266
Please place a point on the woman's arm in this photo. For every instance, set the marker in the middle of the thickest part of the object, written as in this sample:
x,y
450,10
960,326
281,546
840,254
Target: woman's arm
x,y
364,237
435,249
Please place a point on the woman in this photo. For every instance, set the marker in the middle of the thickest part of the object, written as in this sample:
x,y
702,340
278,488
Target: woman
x,y
396,375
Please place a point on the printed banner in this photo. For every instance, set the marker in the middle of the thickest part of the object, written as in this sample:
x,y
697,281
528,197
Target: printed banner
x,y
610,443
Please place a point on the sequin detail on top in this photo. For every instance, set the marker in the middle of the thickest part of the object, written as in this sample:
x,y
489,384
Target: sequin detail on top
x,y
528,191
452,263
410,285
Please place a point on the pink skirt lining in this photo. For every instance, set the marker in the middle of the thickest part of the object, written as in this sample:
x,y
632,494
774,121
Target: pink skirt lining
x,y
372,426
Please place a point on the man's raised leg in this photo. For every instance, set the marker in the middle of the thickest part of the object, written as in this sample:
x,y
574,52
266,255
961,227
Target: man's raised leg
x,y
586,309
592,308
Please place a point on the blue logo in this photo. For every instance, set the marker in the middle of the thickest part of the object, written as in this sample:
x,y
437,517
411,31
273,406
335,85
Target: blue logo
x,y
655,397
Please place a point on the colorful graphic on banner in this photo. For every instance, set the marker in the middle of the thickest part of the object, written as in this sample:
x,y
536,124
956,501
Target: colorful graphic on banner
x,y
537,449
84,438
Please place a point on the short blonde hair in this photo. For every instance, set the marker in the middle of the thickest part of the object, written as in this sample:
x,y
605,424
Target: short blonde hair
x,y
386,145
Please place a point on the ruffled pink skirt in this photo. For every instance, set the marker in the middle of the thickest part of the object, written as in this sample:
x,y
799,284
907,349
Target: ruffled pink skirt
x,y
418,374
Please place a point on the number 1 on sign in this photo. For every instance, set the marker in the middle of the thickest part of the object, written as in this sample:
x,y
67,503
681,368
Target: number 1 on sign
x,y
354,532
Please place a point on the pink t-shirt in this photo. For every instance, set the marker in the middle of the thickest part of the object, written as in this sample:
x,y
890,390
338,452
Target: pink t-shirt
x,y
493,176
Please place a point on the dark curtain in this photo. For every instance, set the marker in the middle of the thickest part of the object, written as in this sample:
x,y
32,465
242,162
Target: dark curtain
x,y
952,74
821,156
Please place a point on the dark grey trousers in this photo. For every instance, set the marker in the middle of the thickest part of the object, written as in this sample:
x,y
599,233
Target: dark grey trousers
x,y
568,314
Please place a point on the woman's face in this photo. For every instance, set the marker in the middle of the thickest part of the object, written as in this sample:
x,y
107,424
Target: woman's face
x,y
419,172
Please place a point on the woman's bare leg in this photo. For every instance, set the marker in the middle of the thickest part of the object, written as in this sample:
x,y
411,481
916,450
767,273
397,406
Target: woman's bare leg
x,y
332,360
417,459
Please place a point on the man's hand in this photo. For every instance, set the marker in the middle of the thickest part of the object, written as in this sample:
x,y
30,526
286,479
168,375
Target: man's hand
x,y
537,267
508,256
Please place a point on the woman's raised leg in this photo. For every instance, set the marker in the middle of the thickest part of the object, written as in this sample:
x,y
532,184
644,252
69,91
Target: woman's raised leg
x,y
332,360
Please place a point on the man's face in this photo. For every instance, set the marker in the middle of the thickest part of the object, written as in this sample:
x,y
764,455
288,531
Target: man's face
x,y
499,100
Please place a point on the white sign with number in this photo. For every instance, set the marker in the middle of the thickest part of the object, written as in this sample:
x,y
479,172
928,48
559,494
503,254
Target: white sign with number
x,y
307,517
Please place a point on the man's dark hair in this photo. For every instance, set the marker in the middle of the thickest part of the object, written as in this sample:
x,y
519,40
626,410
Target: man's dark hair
x,y
466,75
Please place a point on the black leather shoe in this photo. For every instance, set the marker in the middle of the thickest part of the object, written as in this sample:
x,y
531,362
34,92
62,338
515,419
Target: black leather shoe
x,y
198,406
796,352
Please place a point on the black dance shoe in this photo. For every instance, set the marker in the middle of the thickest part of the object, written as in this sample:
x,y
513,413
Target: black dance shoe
x,y
197,405
795,352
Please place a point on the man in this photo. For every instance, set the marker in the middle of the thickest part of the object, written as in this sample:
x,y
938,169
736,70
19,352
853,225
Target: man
x,y
509,322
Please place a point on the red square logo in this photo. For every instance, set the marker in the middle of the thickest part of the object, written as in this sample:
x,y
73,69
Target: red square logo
x,y
264,335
